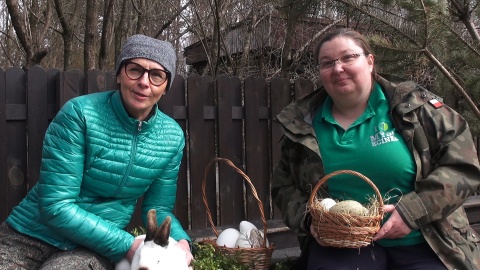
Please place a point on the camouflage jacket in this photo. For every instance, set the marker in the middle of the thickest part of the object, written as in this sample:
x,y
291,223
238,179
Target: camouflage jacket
x,y
448,171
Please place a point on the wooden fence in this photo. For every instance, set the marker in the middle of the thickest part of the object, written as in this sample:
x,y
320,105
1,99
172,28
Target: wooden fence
x,y
225,117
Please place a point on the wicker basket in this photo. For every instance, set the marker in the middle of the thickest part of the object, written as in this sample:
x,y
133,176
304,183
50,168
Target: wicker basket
x,y
341,230
255,258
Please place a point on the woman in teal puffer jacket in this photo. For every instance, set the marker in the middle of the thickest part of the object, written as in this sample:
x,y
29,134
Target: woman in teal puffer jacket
x,y
101,153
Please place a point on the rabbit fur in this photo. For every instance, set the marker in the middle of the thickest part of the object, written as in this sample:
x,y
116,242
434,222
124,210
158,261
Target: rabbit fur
x,y
158,250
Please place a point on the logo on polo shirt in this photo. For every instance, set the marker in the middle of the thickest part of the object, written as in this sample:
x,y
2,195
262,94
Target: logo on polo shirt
x,y
383,135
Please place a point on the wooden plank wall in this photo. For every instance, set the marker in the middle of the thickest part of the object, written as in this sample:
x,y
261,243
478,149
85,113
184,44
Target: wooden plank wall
x,y
225,117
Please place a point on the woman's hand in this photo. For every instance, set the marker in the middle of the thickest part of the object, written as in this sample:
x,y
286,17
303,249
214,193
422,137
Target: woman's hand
x,y
395,227
183,244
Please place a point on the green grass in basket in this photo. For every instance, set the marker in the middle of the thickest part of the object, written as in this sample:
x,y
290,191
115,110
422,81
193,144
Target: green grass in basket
x,y
207,259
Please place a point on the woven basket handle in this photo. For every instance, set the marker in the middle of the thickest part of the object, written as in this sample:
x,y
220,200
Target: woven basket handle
x,y
254,192
361,176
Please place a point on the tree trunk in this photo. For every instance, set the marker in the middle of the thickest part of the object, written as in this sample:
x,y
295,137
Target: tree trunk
x,y
120,31
106,33
90,47
67,33
33,54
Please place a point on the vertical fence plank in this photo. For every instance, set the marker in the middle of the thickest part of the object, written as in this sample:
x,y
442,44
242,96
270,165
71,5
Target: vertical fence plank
x,y
173,104
5,209
280,96
37,120
230,146
111,81
302,87
95,81
16,187
201,133
72,84
53,78
257,145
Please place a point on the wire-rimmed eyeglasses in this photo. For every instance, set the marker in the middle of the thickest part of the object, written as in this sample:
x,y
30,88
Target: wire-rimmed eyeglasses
x,y
345,60
156,76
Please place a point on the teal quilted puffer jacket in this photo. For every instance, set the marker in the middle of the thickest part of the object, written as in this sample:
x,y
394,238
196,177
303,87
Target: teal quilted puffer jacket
x,y
96,163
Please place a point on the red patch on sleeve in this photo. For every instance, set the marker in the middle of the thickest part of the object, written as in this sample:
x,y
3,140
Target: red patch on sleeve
x,y
435,103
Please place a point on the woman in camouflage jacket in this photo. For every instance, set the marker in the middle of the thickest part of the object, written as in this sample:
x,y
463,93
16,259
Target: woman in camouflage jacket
x,y
446,168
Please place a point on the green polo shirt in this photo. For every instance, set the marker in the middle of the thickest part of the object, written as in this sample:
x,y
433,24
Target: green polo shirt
x,y
373,147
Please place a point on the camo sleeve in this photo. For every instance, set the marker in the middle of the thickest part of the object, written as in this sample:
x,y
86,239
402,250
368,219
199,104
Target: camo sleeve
x,y
286,191
450,167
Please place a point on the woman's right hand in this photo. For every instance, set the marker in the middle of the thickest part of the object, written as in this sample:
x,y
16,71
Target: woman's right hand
x,y
394,227
135,245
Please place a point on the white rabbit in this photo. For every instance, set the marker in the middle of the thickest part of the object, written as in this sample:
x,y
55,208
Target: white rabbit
x,y
158,251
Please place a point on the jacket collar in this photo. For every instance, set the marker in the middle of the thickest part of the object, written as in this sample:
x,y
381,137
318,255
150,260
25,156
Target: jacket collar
x,y
404,96
128,122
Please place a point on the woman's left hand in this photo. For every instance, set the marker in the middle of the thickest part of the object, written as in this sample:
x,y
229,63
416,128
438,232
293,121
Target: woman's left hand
x,y
183,244
395,227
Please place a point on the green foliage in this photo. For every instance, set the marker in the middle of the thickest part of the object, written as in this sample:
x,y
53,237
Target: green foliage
x,y
473,122
206,258
138,231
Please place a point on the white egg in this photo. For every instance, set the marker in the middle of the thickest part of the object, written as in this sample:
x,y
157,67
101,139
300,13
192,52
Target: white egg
x,y
228,238
327,203
243,242
246,226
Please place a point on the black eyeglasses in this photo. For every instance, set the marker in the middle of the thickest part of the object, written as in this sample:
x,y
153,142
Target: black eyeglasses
x,y
345,60
157,77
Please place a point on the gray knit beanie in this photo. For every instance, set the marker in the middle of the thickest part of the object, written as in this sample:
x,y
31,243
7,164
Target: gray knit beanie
x,y
141,46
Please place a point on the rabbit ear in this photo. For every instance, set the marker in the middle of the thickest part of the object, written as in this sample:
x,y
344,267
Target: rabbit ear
x,y
151,225
163,233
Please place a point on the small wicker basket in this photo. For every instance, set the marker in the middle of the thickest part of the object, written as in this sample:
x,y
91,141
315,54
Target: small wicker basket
x,y
255,258
342,230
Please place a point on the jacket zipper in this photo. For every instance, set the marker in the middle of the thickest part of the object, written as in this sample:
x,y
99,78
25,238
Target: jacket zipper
x,y
132,155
